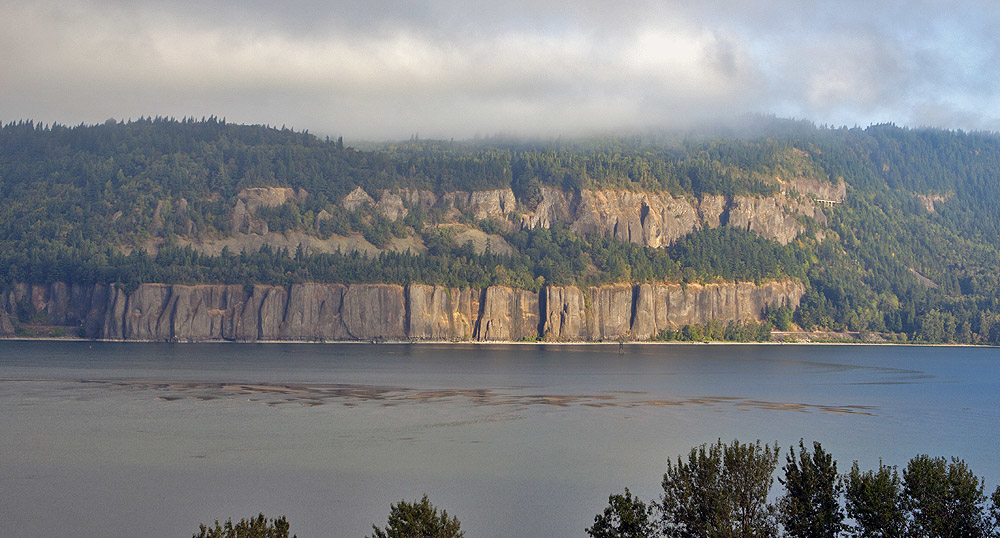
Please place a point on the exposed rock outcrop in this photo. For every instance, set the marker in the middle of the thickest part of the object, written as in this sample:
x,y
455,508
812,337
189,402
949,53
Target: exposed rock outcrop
x,y
658,219
929,200
395,205
498,203
439,313
641,312
311,311
256,197
654,219
766,216
357,198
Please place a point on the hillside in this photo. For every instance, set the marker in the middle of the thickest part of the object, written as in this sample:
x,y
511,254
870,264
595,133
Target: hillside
x,y
889,230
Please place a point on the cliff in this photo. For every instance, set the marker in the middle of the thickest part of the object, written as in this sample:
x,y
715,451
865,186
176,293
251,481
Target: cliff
x,y
652,219
311,311
645,218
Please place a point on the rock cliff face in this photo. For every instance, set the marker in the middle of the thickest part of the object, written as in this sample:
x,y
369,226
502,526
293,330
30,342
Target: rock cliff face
x,y
641,312
645,218
313,311
658,219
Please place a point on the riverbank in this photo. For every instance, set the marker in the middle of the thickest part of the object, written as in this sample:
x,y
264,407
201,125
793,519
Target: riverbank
x,y
784,338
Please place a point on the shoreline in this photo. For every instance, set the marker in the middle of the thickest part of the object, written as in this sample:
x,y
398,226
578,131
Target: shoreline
x,y
491,342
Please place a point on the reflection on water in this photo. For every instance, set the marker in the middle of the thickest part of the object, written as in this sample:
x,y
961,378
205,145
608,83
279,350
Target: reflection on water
x,y
515,440
350,395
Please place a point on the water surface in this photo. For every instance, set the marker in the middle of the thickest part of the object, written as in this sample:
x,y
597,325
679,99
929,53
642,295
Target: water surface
x,y
102,438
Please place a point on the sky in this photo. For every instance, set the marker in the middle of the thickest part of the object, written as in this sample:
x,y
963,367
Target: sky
x,y
391,69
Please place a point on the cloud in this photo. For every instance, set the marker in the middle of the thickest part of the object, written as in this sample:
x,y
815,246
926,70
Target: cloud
x,y
449,68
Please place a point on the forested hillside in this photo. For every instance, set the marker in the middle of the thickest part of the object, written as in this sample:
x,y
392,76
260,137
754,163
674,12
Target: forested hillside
x,y
893,231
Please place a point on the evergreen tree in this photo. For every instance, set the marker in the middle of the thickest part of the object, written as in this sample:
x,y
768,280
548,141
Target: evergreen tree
x,y
874,501
625,517
720,491
810,507
419,519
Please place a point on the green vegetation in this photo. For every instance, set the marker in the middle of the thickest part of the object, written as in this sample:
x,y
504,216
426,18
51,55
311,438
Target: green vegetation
x,y
625,517
255,527
132,202
810,507
722,490
419,519
719,491
733,331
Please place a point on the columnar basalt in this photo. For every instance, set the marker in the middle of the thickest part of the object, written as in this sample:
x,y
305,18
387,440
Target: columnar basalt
x,y
333,312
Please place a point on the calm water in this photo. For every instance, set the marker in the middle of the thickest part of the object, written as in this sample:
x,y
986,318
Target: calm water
x,y
102,439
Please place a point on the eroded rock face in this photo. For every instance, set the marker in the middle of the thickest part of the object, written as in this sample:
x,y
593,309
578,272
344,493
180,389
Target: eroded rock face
x,y
641,312
565,314
312,311
498,203
242,220
374,311
440,313
395,205
834,192
507,314
357,198
654,219
269,196
766,216
658,219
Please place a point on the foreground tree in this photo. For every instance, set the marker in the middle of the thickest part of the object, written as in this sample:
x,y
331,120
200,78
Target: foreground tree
x,y
810,507
419,519
945,499
257,527
995,509
625,517
874,500
720,491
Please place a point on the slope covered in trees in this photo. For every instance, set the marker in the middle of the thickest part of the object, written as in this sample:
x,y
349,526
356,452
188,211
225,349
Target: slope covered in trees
x,y
912,250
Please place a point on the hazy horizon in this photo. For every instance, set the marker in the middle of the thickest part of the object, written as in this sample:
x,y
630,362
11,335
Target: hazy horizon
x,y
387,70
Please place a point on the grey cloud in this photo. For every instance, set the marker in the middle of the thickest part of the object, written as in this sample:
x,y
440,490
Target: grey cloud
x,y
390,68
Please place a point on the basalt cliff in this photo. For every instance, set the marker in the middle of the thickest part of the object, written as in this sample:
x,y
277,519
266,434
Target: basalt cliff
x,y
383,312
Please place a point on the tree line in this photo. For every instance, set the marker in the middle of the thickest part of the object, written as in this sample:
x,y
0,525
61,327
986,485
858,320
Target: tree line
x,y
724,490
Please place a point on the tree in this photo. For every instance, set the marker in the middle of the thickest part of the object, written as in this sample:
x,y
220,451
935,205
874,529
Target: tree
x,y
945,499
874,501
810,507
257,527
625,517
995,508
720,492
419,519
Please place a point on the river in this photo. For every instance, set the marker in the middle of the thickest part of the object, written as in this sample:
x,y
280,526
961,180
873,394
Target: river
x,y
116,439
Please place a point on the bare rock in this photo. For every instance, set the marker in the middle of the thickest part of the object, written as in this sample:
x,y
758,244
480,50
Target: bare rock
x,y
610,313
6,325
822,190
710,209
440,313
767,216
374,311
357,198
314,312
391,206
256,197
508,314
565,314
